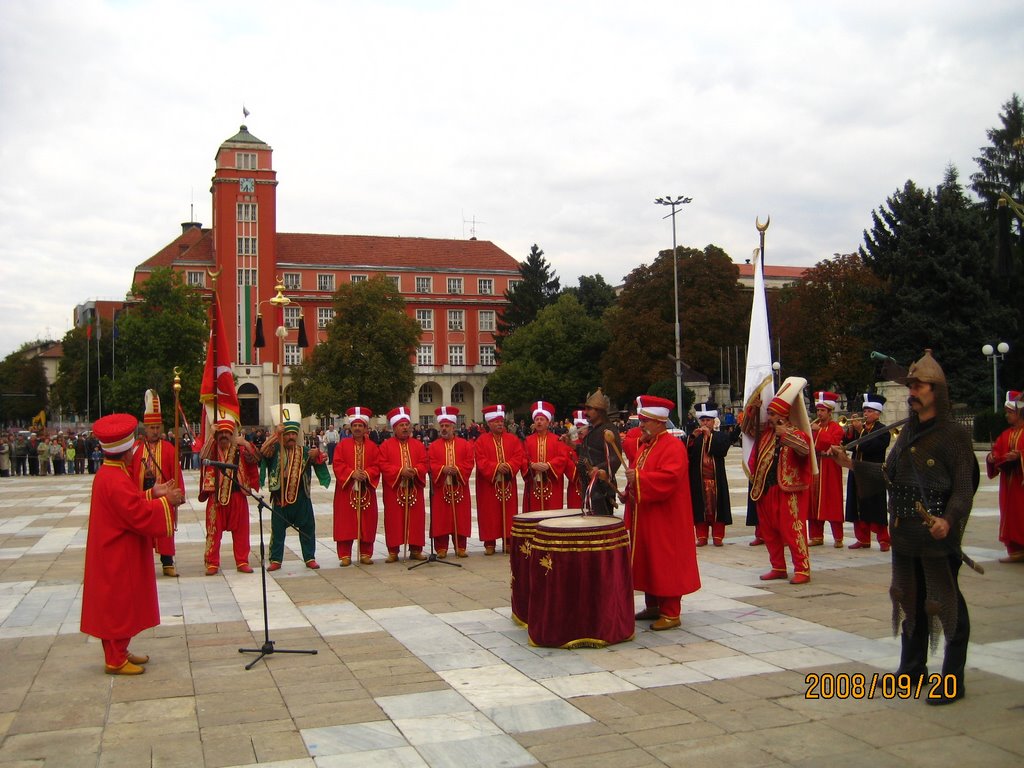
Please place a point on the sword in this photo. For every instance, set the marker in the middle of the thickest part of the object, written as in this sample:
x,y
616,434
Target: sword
x,y
929,520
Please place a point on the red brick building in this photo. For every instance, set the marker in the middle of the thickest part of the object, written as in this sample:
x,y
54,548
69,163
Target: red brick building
x,y
454,288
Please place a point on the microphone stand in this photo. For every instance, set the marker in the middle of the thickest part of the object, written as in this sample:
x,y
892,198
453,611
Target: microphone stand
x,y
267,648
432,557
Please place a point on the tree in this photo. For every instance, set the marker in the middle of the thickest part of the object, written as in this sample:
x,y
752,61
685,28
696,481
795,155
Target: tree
x,y
537,288
366,359
553,358
1001,165
593,294
930,251
166,329
23,386
713,313
822,323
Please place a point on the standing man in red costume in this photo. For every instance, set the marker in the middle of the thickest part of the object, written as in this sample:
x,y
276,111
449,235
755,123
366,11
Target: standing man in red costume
x,y
227,505
152,464
357,472
706,447
660,521
827,487
119,597
781,467
450,459
1005,460
546,457
868,512
403,464
499,458
573,486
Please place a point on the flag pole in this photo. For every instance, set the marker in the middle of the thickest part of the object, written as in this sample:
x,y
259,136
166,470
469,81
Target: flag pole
x,y
759,378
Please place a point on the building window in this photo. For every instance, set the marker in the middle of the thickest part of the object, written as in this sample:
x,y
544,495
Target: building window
x,y
424,285
292,354
325,283
426,395
291,317
485,286
358,278
197,279
425,317
425,354
454,285
247,277
456,354
486,319
456,319
512,285
396,280
458,393
487,354
324,316
292,281
246,211
245,161
246,246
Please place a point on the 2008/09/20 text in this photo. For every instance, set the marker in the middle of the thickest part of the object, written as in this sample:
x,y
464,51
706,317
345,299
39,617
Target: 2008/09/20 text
x,y
887,686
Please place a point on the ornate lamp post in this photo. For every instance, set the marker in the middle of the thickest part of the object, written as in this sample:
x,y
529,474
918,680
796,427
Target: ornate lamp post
x,y
675,203
995,355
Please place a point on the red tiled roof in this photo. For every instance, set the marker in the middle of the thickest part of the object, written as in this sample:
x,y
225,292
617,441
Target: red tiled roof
x,y
193,244
365,250
747,270
54,350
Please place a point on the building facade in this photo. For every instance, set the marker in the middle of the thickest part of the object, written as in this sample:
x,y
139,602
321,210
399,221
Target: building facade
x,y
454,289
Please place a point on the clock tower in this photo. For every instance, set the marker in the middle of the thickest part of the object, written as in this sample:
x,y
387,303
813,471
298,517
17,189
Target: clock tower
x,y
244,191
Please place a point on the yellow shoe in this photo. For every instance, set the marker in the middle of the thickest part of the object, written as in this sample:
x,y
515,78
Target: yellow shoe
x,y
664,623
838,544
442,554
462,553
366,560
125,669
392,558
169,570
138,659
815,542
488,550
417,556
346,562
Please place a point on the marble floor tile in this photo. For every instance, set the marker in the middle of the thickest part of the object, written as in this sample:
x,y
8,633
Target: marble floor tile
x,y
447,727
667,674
495,686
423,704
801,658
538,716
397,757
732,666
360,737
592,684
487,752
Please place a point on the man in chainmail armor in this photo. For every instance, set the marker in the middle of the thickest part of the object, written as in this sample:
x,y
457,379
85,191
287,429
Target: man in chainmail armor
x,y
932,464
598,460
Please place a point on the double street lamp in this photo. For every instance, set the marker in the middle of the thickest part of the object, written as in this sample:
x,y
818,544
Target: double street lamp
x,y
675,203
995,355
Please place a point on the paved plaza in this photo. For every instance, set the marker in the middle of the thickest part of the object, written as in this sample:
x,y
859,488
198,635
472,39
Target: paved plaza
x,y
425,667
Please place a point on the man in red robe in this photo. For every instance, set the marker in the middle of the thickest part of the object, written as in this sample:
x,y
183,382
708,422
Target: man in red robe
x,y
660,521
357,470
499,458
450,459
1005,460
227,505
546,457
781,467
153,463
119,597
403,466
827,486
573,486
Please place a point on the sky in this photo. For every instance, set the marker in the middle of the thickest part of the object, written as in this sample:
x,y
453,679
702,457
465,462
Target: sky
x,y
555,122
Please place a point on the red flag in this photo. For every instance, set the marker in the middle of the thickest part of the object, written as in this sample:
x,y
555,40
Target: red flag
x,y
219,386
88,332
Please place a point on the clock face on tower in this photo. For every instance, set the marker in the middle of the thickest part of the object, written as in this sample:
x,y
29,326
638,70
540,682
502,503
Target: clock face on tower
x,y
246,185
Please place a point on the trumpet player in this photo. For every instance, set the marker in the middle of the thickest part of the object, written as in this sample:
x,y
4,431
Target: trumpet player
x,y
357,471
827,487
868,512
707,446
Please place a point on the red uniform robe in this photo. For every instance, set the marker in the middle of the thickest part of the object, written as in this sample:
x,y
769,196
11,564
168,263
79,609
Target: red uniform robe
x,y
497,497
160,462
661,519
400,496
573,494
1011,487
349,456
227,507
119,597
827,486
544,490
450,505
782,506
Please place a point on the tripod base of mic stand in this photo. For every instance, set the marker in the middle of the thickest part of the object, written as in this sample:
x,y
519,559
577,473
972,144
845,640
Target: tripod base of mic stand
x,y
433,558
267,650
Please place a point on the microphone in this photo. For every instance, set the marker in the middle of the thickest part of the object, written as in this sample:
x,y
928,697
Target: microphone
x,y
219,464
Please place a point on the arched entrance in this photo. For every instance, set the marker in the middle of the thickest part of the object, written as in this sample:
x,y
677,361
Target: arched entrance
x,y
249,405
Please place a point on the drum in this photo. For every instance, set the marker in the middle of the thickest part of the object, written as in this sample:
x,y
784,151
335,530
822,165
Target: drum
x,y
523,528
581,585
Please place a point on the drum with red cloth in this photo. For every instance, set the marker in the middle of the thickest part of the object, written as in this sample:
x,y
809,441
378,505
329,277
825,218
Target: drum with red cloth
x,y
523,528
581,586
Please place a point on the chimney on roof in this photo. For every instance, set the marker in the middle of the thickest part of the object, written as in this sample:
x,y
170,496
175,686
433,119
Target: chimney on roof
x,y
187,225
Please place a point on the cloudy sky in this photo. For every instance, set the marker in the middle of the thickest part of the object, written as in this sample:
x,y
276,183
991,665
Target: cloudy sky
x,y
555,122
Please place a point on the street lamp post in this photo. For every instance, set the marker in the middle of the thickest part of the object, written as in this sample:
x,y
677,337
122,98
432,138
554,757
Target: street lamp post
x,y
995,355
675,203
